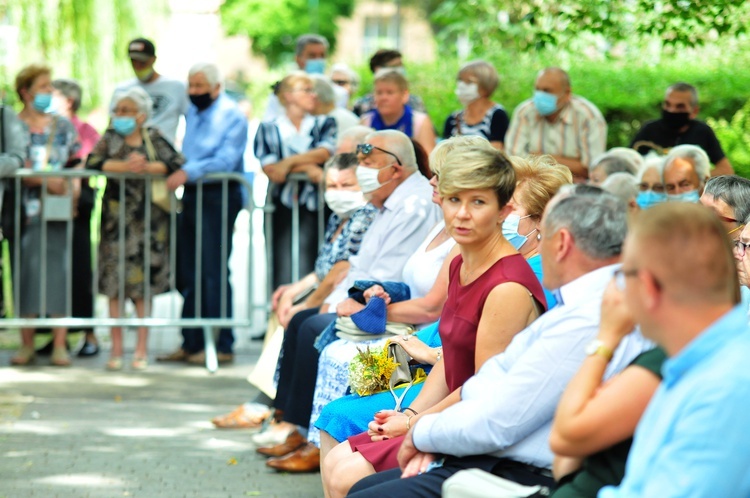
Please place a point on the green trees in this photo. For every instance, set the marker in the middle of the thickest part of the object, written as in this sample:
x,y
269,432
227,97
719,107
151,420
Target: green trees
x,y
273,26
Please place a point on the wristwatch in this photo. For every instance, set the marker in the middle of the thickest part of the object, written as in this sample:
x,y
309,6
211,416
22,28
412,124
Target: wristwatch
x,y
597,347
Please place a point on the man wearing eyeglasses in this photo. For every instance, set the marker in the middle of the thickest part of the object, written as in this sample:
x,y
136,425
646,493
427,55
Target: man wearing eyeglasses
x,y
729,197
686,170
681,288
389,178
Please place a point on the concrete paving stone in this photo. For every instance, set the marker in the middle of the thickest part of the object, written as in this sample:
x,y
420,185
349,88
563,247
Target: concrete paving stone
x,y
83,431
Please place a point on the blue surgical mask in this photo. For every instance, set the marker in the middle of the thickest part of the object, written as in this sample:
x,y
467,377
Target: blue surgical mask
x,y
123,125
315,66
649,198
545,103
42,102
510,231
690,196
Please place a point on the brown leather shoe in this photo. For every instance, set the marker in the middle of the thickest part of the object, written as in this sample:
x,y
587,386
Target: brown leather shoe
x,y
293,441
179,355
305,459
199,358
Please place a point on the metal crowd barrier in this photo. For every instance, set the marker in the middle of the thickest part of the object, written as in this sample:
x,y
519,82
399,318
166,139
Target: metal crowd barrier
x,y
295,179
207,324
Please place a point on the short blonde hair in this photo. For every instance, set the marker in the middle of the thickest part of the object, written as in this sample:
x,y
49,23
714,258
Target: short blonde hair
x,y
28,75
290,82
687,250
484,72
477,168
392,76
538,180
439,153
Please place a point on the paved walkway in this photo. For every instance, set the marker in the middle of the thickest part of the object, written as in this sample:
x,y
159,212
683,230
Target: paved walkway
x,y
84,432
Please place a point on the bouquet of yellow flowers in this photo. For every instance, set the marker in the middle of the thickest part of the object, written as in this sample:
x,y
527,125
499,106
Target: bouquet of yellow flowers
x,y
370,371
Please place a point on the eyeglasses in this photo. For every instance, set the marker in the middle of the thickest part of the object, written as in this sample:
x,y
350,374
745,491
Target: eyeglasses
x,y
366,150
308,91
621,275
341,82
683,185
656,187
741,248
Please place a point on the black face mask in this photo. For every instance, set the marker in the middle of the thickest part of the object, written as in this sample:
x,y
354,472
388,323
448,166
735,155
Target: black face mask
x,y
201,101
675,120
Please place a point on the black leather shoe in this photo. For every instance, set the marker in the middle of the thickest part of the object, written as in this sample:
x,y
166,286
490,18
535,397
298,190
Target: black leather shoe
x,y
88,349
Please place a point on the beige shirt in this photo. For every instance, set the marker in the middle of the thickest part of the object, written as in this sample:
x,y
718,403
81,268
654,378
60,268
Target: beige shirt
x,y
579,131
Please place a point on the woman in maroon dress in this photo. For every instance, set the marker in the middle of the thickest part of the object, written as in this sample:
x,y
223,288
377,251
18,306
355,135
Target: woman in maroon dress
x,y
493,294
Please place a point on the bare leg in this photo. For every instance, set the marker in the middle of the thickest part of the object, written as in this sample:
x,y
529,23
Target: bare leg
x,y
59,335
27,337
142,341
345,470
115,332
327,443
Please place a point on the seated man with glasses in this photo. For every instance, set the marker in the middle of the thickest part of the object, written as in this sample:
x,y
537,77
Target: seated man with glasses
x,y
729,197
389,178
686,170
650,183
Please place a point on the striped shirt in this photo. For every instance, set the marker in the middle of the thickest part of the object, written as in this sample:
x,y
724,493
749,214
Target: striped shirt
x,y
579,132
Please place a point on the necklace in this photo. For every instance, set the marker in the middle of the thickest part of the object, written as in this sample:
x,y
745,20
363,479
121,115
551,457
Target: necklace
x,y
467,274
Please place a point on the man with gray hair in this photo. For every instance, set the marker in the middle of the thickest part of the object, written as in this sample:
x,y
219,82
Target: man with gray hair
x,y
215,141
624,186
502,420
168,94
310,52
679,126
729,197
612,161
686,170
389,177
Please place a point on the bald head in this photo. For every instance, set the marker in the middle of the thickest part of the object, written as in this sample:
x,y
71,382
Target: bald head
x,y
686,250
555,75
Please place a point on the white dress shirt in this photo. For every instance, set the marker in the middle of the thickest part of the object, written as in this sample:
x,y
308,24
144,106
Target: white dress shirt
x,y
506,409
396,232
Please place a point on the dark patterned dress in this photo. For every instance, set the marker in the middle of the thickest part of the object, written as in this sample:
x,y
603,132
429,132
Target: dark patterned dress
x,y
113,146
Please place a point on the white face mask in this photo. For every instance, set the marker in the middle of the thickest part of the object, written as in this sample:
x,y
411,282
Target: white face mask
x,y
344,202
368,179
467,92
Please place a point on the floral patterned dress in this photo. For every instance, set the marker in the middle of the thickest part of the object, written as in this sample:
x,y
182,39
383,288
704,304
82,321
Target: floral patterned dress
x,y
113,146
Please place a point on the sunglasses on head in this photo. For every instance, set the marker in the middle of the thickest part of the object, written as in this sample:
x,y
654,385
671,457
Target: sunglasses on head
x,y
366,150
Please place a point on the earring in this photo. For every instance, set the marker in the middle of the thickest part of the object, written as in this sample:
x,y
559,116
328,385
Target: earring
x,y
539,236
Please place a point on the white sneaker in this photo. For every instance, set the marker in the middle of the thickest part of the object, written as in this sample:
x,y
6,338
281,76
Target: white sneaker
x,y
271,436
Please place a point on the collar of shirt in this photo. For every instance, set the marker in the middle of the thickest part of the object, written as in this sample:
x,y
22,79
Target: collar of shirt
x,y
206,113
402,191
703,347
581,288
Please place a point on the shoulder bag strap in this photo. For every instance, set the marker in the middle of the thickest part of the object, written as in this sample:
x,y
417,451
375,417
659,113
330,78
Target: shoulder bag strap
x,y
150,151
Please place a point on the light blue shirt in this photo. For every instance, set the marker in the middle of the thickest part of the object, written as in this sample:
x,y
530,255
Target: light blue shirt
x,y
506,409
394,235
215,139
693,439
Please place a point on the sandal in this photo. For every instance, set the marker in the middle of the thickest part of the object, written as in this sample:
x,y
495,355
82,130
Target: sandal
x,y
114,363
24,356
139,363
60,357
243,418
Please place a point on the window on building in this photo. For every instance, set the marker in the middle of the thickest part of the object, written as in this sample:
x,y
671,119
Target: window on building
x,y
380,32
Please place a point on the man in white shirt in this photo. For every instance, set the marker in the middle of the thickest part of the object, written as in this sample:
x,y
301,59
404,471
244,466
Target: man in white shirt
x,y
390,179
502,421
169,95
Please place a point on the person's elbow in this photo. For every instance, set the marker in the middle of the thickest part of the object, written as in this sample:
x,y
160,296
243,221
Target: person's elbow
x,y
569,440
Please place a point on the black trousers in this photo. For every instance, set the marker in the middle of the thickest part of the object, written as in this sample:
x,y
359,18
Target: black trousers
x,y
211,261
298,369
430,484
82,298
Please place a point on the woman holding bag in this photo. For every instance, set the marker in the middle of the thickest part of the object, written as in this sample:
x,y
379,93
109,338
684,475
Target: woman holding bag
x,y
129,147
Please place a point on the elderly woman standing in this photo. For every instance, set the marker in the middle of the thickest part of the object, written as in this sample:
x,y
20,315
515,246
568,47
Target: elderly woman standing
x,y
53,145
129,147
476,82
